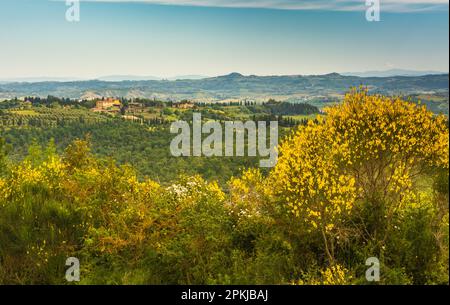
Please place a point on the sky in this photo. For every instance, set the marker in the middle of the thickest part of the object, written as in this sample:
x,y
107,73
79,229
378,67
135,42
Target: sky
x,y
167,38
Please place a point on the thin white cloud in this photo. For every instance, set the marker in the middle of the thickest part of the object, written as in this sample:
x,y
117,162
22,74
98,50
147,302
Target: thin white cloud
x,y
330,5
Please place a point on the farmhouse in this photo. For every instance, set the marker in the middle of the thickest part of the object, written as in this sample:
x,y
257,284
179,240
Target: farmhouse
x,y
184,105
108,105
136,107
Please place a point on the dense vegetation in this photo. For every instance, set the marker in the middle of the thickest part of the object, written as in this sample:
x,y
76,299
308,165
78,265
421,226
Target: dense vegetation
x,y
145,146
380,189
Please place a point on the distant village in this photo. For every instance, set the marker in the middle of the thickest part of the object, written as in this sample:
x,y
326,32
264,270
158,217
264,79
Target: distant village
x,y
113,105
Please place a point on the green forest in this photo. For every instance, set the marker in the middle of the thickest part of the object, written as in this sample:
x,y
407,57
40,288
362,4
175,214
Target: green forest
x,y
143,141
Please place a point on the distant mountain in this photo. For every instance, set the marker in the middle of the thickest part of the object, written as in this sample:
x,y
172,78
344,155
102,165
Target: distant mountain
x,y
232,86
391,72
180,77
232,75
39,79
120,78
107,78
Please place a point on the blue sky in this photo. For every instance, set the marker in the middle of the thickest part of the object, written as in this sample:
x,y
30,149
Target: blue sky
x,y
213,37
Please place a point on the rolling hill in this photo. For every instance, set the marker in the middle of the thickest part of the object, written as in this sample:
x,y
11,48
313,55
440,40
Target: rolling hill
x,y
231,86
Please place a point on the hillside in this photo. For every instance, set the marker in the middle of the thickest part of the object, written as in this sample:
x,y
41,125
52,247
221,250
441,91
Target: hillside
x,y
232,86
368,183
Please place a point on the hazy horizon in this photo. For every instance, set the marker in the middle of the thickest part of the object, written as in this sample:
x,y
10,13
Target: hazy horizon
x,y
194,77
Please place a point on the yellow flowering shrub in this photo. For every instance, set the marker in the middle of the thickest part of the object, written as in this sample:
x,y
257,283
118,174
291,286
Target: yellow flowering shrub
x,y
370,147
4,189
23,177
250,187
247,204
333,275
112,197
